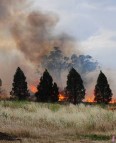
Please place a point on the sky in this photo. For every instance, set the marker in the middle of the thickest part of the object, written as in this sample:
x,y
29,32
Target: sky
x,y
91,22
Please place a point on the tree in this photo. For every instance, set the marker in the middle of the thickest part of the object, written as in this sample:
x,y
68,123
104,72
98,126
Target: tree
x,y
19,89
75,89
83,63
56,63
55,93
102,92
47,91
0,86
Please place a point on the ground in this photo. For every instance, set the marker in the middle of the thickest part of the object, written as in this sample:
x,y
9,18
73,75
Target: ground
x,y
29,122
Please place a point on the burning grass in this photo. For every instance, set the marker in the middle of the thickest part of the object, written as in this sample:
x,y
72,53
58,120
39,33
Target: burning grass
x,y
37,122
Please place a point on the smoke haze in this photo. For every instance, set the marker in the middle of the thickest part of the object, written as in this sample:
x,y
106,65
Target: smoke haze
x,y
27,36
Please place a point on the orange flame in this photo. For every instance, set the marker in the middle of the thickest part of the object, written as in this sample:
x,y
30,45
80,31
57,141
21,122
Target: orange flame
x,y
113,101
62,97
33,88
89,99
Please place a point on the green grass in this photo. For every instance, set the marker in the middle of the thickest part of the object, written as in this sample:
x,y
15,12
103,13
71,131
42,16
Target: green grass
x,y
25,104
53,107
14,104
96,137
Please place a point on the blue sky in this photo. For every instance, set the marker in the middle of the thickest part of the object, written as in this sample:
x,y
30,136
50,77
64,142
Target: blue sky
x,y
91,22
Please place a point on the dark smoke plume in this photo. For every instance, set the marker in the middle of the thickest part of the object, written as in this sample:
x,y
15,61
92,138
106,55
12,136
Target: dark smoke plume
x,y
35,38
26,36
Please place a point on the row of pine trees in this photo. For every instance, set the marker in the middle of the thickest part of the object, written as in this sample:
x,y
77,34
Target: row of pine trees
x,y
48,91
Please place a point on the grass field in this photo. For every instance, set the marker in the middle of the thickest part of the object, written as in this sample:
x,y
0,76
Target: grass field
x,y
29,122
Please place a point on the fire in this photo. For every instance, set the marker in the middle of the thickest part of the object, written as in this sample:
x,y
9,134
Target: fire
x,y
89,99
33,88
62,97
113,101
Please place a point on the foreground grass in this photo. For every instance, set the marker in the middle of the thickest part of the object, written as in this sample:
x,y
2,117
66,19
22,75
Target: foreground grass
x,y
54,123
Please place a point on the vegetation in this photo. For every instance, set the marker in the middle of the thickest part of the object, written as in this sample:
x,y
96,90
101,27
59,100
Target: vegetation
x,y
47,91
56,62
55,93
103,93
75,89
52,123
0,86
97,137
19,89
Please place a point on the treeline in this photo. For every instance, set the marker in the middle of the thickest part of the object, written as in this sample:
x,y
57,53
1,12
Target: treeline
x,y
48,91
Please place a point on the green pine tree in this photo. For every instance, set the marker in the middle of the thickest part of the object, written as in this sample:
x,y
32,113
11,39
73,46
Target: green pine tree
x,y
47,91
19,89
55,93
103,93
75,89
0,86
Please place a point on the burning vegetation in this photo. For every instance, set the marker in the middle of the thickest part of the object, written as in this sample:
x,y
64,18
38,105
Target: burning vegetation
x,y
33,41
63,97
90,99
47,91
32,33
33,88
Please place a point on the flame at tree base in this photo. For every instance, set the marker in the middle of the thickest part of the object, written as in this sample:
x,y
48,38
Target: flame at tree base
x,y
113,101
89,99
63,97
33,88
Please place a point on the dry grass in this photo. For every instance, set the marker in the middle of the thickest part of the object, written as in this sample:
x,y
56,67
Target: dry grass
x,y
54,123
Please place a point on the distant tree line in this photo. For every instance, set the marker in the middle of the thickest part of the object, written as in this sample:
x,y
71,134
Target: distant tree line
x,y
56,62
48,91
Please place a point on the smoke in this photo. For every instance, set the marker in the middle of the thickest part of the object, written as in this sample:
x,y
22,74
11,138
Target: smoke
x,y
9,10
59,65
28,36
35,36
33,31
6,9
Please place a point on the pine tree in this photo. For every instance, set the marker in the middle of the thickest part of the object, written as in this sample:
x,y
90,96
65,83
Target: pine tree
x,y
19,89
103,93
44,87
75,89
55,93
47,91
0,86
